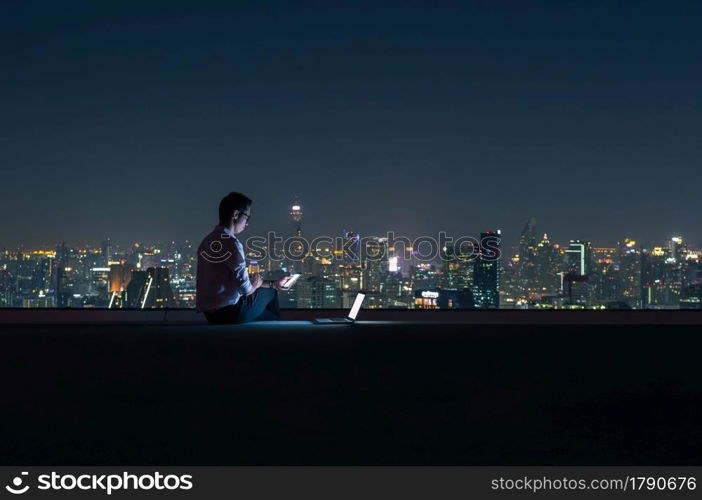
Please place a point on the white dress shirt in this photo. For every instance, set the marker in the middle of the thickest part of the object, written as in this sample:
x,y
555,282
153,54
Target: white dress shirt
x,y
222,278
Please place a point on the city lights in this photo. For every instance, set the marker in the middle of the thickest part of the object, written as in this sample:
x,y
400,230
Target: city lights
x,y
538,273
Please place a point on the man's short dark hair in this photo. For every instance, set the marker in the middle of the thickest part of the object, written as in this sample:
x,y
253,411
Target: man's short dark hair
x,y
231,202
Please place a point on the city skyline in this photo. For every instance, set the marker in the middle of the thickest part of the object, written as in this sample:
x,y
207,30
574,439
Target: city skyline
x,y
393,271
646,242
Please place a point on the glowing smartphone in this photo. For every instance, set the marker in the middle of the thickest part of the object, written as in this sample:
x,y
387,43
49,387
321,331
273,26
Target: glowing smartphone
x,y
289,281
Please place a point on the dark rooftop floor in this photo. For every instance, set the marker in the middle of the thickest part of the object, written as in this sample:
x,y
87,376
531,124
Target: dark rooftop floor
x,y
371,393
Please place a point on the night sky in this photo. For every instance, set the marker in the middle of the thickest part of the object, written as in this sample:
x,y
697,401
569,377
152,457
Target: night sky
x,y
131,121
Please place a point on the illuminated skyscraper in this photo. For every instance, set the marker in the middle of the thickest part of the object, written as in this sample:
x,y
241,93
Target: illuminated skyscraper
x,y
163,295
424,276
350,269
120,276
106,253
395,288
677,252
6,288
486,271
693,268
149,289
98,291
579,257
545,280
293,261
457,267
510,296
375,265
629,287
578,270
525,272
296,217
317,293
294,256
660,278
604,277
691,296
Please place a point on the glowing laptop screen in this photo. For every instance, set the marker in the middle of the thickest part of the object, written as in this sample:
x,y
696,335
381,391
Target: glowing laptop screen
x,y
356,305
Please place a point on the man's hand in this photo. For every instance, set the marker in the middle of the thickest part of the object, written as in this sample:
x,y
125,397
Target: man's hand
x,y
276,284
256,282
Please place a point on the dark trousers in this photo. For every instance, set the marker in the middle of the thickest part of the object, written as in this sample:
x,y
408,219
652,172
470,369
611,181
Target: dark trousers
x,y
262,305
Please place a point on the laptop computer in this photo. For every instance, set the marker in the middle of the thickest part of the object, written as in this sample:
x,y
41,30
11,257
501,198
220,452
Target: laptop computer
x,y
349,319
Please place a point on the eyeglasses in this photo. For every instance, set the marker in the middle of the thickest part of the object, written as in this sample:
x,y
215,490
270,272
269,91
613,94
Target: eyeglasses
x,y
248,217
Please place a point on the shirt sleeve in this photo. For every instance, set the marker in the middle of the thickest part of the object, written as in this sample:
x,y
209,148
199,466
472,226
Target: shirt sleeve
x,y
237,265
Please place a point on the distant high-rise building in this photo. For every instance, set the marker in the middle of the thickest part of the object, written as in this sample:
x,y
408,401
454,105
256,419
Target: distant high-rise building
x,y
152,259
135,291
510,294
293,261
604,277
6,288
544,273
375,265
317,293
629,286
424,276
691,295
677,252
296,217
26,276
525,263
579,257
397,290
98,291
120,276
310,266
163,295
660,278
350,267
61,291
149,289
106,253
578,270
693,268
486,271
457,267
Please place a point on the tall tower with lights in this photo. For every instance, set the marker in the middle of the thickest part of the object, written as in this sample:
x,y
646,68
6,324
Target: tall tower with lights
x,y
294,259
486,271
296,217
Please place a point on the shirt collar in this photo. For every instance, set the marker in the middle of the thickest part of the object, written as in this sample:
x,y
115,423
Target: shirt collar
x,y
220,228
